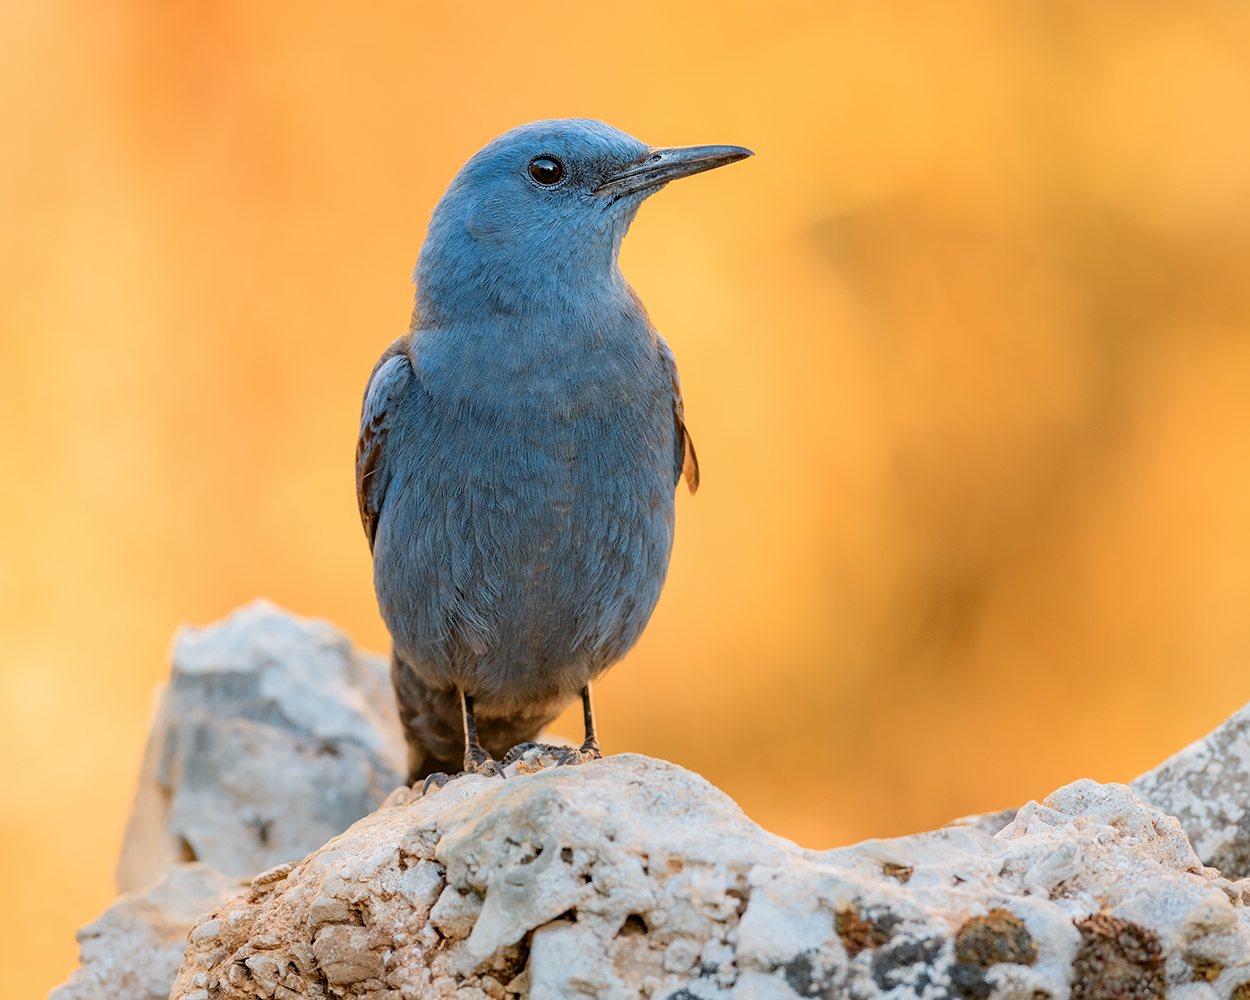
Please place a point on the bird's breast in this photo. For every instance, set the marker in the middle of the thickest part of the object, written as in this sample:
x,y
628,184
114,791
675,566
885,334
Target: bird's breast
x,y
571,391
530,519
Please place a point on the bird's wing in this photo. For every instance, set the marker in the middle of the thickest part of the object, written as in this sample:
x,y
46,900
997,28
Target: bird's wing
x,y
390,380
685,461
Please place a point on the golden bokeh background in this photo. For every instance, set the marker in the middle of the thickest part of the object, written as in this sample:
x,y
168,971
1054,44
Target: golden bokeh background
x,y
966,353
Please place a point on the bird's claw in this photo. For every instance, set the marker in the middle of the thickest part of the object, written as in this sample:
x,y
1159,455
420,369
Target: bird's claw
x,y
486,766
438,779
580,755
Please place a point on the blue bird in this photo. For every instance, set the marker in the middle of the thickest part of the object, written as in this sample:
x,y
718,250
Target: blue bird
x,y
520,445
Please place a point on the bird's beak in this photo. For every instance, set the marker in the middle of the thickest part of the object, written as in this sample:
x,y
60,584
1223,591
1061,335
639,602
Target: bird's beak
x,y
668,163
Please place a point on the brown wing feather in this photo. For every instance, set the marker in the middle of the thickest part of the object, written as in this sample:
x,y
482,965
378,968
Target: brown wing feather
x,y
690,467
686,462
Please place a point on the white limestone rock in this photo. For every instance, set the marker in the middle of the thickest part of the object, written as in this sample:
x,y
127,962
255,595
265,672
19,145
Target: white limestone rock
x,y
990,822
624,878
1207,787
132,952
630,877
273,735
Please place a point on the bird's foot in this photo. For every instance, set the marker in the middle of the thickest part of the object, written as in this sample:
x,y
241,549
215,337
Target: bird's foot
x,y
480,764
533,756
581,755
528,758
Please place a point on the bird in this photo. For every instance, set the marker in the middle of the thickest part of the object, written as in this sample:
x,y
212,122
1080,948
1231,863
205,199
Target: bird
x,y
521,444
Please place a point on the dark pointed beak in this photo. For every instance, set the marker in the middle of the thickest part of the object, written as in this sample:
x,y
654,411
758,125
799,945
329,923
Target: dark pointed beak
x,y
668,163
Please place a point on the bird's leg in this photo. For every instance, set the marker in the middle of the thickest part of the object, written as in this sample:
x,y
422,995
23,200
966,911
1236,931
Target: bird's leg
x,y
476,759
589,750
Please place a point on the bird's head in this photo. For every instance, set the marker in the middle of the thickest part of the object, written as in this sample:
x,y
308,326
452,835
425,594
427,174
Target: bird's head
x,y
537,216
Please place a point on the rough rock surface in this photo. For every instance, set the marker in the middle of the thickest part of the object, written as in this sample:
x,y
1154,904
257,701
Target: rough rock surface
x,y
630,877
1207,787
273,735
989,823
132,952
624,878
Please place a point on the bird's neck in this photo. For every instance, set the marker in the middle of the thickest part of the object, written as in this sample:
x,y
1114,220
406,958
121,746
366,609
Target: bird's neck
x,y
475,270
481,290
576,346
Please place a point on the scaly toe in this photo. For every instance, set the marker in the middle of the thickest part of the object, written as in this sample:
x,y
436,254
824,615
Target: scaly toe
x,y
580,755
487,767
517,752
536,750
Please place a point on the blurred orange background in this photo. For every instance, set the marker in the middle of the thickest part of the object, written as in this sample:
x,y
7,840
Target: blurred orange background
x,y
965,348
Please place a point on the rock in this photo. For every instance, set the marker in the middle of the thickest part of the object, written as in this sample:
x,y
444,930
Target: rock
x,y
989,823
132,952
1207,787
273,735
627,877
630,877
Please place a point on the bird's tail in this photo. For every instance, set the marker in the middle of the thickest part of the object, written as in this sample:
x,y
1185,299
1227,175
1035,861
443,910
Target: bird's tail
x,y
434,725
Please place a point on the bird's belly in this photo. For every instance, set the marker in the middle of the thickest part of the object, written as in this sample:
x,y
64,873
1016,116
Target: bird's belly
x,y
519,561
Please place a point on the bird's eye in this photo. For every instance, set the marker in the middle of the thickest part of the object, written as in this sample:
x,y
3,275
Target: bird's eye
x,y
546,169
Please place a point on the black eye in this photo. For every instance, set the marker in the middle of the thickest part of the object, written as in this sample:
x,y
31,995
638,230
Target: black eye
x,y
546,169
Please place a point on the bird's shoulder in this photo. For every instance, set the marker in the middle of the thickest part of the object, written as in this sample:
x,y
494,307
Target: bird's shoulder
x,y
397,361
